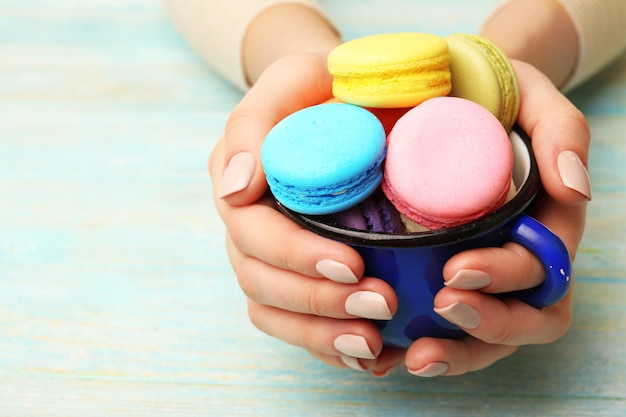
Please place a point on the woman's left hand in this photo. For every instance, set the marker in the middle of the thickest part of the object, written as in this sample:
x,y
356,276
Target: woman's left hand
x,y
496,327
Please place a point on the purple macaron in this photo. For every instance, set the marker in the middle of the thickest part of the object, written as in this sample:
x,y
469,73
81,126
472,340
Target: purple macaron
x,y
375,214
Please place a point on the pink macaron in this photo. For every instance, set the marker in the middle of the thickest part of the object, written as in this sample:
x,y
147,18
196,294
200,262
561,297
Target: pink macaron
x,y
449,162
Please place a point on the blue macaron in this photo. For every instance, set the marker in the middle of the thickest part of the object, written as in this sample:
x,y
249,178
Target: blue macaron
x,y
324,158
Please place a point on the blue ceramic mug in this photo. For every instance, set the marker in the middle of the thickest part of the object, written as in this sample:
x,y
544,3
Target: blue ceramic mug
x,y
412,263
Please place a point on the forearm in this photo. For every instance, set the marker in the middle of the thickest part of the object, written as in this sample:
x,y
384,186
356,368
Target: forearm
x,y
568,40
285,30
539,32
218,29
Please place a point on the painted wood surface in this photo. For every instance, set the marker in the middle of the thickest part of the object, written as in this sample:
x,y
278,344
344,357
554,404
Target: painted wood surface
x,y
116,296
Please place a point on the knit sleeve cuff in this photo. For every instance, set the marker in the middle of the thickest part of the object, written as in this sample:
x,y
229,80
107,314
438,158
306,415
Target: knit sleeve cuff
x,y
601,28
216,29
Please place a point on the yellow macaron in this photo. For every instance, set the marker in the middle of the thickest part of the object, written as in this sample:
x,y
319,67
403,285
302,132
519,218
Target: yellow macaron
x,y
391,70
482,73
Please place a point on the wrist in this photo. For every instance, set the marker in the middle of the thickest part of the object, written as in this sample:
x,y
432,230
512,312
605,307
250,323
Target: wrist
x,y
285,30
539,32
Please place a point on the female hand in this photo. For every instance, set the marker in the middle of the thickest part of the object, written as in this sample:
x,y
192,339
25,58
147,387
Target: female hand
x,y
301,287
310,291
496,327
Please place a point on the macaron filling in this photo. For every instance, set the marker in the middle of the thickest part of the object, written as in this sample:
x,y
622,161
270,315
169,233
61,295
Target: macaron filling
x,y
390,70
330,198
436,222
411,83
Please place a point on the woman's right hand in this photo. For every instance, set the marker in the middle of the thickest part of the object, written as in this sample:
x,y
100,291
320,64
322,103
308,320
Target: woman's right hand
x,y
304,289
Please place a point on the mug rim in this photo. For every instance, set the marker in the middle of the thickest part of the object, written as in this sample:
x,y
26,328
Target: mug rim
x,y
522,199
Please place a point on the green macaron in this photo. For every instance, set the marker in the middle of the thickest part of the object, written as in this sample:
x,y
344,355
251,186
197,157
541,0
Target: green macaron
x,y
482,73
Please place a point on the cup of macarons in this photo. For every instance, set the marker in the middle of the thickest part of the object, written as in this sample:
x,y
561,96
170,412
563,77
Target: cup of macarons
x,y
451,171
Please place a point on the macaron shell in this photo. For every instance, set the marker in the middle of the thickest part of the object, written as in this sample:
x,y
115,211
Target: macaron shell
x,y
352,218
375,214
325,158
449,161
392,70
384,217
482,73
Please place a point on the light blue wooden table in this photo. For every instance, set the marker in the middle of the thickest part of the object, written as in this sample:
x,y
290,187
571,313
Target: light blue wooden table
x,y
116,296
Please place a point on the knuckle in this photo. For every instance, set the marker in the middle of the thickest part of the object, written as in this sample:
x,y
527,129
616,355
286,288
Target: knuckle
x,y
255,316
573,120
527,271
297,249
315,303
241,116
564,321
502,331
246,280
247,286
500,335
309,341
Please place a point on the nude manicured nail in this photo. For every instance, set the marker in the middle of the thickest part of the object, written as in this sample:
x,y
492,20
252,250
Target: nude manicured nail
x,y
353,363
574,174
238,174
336,271
353,345
431,370
460,314
469,279
369,305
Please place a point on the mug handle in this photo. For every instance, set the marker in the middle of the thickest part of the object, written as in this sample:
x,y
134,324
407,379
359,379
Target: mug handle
x,y
552,254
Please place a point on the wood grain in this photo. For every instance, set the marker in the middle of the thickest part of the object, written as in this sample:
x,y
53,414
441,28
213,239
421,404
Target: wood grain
x,y
116,295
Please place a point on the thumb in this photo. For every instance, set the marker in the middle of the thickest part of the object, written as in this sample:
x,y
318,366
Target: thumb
x,y
560,136
290,84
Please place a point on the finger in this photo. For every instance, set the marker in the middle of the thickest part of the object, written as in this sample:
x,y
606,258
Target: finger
x,y
560,136
353,338
370,298
507,321
512,267
259,231
567,222
494,270
387,361
341,361
288,85
262,232
429,357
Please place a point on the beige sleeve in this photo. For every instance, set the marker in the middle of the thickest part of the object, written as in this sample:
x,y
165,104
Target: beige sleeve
x,y
215,29
601,27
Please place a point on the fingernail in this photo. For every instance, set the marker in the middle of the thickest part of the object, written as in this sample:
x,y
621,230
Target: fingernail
x,y
353,345
460,314
431,370
369,305
469,279
336,271
353,363
238,174
574,174
383,373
